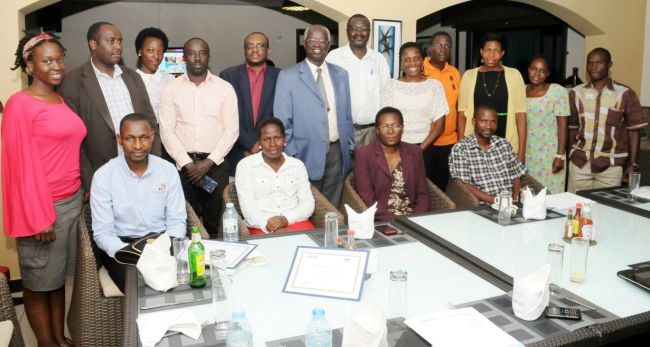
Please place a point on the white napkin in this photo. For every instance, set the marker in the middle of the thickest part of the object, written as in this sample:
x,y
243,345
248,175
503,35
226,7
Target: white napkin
x,y
157,266
642,192
256,258
363,223
534,206
152,327
366,327
530,294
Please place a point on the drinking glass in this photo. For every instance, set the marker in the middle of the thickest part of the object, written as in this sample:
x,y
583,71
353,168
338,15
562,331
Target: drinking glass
x,y
556,260
217,263
331,230
505,202
398,293
579,252
633,183
221,304
180,254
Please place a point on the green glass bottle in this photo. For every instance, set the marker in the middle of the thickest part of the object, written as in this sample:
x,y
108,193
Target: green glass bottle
x,y
196,257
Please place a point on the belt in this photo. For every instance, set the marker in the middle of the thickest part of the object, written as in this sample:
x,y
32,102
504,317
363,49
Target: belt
x,y
365,126
198,155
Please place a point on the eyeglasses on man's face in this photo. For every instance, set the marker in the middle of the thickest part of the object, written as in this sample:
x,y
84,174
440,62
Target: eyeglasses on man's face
x,y
394,126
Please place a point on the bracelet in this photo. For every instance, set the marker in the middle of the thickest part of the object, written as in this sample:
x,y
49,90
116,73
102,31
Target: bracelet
x,y
561,156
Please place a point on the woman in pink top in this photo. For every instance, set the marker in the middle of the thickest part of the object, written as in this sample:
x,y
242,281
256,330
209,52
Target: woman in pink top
x,y
41,141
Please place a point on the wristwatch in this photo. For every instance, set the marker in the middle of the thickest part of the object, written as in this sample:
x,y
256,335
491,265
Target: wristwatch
x,y
635,166
561,156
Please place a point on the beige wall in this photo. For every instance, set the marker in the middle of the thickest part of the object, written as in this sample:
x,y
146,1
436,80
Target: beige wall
x,y
619,26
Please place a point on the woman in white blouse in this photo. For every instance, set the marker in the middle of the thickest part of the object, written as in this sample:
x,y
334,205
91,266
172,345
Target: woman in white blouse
x,y
273,189
151,44
421,100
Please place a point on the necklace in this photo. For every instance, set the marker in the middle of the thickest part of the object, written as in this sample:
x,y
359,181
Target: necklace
x,y
496,84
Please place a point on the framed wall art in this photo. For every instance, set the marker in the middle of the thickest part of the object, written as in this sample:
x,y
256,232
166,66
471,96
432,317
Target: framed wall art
x,y
386,39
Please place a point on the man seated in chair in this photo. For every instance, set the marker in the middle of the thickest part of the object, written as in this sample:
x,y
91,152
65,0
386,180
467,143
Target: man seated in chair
x,y
391,172
134,194
273,189
486,164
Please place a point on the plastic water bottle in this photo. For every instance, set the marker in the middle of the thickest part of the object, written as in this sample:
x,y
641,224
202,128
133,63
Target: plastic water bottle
x,y
240,332
319,332
230,221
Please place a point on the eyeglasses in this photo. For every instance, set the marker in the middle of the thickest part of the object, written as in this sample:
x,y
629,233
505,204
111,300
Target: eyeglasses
x,y
395,126
359,29
440,45
492,51
316,42
252,46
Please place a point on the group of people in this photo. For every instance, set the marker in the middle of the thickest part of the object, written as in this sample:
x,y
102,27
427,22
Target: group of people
x,y
140,144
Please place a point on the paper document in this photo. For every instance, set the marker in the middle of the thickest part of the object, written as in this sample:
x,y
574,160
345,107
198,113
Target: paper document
x,y
461,327
235,252
564,201
327,272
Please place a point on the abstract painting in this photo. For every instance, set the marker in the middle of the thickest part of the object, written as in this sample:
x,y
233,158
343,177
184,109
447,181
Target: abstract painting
x,y
386,39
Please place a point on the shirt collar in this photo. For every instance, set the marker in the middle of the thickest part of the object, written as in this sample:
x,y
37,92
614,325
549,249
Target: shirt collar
x,y
258,160
208,78
472,141
427,60
156,76
348,52
125,167
313,67
117,73
250,69
609,85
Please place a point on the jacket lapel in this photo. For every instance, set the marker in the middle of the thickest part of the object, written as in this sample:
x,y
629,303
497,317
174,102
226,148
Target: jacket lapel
x,y
380,159
267,90
94,91
245,88
307,78
407,163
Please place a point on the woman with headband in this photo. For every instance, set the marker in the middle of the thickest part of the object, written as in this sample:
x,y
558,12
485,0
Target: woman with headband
x,y
41,184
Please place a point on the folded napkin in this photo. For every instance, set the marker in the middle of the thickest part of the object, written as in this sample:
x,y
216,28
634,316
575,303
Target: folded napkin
x,y
157,266
534,205
642,192
530,293
152,327
256,258
363,223
366,327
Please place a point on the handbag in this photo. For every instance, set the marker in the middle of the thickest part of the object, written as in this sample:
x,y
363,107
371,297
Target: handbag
x,y
130,254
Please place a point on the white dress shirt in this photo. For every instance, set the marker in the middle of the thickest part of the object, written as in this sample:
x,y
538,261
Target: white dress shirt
x,y
264,193
367,76
124,204
155,83
331,99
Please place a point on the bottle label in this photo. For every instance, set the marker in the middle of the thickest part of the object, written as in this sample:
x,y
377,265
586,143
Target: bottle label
x,y
200,265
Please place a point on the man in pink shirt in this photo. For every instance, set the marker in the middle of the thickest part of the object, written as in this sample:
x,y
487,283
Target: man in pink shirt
x,y
199,124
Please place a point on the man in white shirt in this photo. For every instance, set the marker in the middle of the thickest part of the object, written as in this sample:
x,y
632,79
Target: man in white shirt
x,y
368,71
133,195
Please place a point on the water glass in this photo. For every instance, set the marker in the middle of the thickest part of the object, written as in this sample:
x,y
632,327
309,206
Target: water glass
x,y
579,252
633,183
397,291
217,263
180,253
556,260
505,203
331,230
221,303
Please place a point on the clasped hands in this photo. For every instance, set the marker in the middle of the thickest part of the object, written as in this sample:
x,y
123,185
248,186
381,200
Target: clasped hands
x,y
196,170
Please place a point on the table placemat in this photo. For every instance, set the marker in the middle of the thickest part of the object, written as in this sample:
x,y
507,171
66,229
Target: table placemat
x,y
619,195
378,239
487,212
181,296
499,310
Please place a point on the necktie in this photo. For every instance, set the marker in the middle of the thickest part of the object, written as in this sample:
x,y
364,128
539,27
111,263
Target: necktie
x,y
321,88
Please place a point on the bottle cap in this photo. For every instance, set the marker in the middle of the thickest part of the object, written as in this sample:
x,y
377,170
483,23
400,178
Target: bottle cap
x,y
350,232
230,204
318,312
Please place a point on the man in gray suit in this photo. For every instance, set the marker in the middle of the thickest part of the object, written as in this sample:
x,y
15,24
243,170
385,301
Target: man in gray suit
x,y
102,92
312,98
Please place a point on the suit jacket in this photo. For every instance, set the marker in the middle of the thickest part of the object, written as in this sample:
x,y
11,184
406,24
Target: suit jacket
x,y
237,76
373,179
81,91
299,106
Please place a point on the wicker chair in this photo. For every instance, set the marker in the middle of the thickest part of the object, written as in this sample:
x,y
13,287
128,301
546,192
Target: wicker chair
x,y
93,319
438,201
321,207
465,199
8,312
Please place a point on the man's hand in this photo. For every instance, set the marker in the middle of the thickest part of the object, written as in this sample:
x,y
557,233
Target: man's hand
x,y
558,165
521,155
276,222
196,170
626,174
47,235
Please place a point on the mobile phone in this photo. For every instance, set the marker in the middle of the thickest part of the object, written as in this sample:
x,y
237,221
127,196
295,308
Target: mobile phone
x,y
208,184
386,230
563,313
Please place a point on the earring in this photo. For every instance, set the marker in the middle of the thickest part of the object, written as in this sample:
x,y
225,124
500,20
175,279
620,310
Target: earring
x,y
139,54
481,60
259,147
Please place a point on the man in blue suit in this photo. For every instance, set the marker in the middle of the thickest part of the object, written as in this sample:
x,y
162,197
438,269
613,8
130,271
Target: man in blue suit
x,y
312,98
254,84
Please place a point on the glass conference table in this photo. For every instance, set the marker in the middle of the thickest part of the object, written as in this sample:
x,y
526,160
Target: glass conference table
x,y
617,197
623,238
435,283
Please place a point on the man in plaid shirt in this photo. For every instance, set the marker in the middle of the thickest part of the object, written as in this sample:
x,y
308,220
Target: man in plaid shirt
x,y
486,164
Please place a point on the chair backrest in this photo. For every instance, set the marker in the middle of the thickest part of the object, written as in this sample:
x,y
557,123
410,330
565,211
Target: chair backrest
x,y
8,312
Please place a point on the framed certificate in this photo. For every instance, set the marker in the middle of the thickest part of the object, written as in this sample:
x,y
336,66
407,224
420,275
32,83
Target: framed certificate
x,y
333,273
